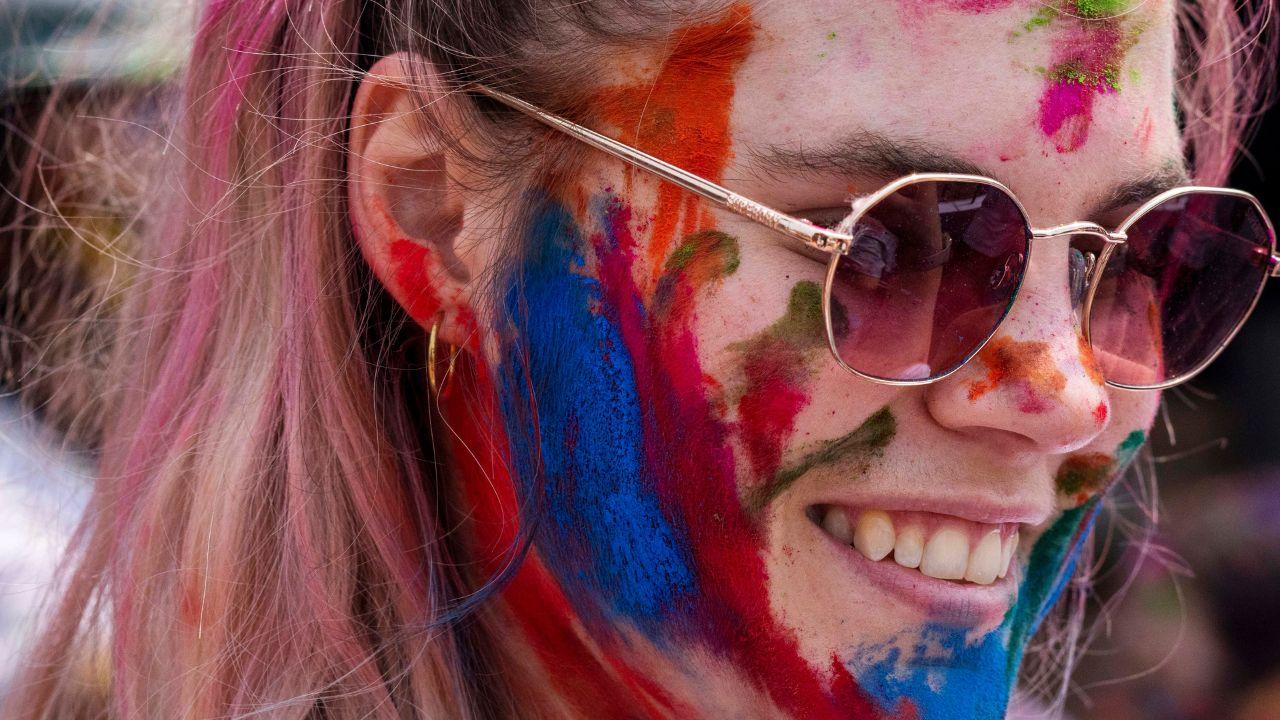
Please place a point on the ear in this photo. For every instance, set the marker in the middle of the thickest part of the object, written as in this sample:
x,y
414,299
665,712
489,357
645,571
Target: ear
x,y
406,206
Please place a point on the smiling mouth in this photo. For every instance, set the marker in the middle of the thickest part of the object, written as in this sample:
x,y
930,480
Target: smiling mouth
x,y
944,547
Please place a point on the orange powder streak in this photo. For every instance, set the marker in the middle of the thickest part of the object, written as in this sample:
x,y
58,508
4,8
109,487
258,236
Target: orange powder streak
x,y
1089,362
1019,360
682,116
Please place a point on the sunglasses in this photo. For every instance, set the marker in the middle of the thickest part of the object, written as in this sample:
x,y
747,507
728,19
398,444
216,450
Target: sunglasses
x,y
923,271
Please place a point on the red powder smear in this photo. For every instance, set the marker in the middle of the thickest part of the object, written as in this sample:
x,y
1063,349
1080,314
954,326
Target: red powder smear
x,y
1028,363
682,116
412,265
767,411
690,459
1086,63
1100,413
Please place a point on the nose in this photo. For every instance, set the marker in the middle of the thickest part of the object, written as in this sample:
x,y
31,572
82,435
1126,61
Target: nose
x,y
1036,381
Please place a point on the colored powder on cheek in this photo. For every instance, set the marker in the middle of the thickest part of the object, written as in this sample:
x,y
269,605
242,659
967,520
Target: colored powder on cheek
x,y
1084,474
1127,450
604,535
682,114
859,446
689,468
1027,363
700,260
767,412
1050,566
774,366
803,325
946,672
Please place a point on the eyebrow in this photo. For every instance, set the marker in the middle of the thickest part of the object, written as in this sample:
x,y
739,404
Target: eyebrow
x,y
864,153
1170,175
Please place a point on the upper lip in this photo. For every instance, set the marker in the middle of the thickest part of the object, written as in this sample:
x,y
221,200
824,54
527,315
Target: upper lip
x,y
970,507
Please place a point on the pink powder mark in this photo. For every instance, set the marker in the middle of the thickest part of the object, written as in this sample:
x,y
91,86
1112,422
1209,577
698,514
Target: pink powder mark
x,y
969,7
1030,401
1086,63
1066,112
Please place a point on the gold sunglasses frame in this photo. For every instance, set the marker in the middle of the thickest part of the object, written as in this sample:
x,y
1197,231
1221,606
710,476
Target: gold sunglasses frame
x,y
835,243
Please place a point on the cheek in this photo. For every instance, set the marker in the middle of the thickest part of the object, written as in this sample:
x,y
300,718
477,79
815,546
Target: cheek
x,y
772,372
1082,476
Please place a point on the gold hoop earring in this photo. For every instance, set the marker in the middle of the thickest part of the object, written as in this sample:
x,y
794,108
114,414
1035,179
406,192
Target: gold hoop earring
x,y
437,382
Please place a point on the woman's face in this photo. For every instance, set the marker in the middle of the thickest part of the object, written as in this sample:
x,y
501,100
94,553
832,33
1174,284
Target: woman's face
x,y
706,465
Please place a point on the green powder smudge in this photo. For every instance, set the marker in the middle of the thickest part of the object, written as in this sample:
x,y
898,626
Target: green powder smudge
x,y
867,441
1128,448
1046,575
700,260
1043,18
1093,472
720,249
1098,9
1084,472
802,326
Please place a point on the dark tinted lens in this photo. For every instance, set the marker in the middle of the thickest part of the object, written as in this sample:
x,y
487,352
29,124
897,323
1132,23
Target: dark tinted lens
x,y
1174,293
934,267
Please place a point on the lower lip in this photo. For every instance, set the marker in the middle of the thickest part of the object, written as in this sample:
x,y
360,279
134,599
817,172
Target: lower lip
x,y
967,604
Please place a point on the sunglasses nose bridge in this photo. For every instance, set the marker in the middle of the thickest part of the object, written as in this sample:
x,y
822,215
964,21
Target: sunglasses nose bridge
x,y
1076,228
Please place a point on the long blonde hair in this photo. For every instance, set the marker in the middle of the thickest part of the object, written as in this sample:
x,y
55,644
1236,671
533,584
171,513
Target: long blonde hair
x,y
269,531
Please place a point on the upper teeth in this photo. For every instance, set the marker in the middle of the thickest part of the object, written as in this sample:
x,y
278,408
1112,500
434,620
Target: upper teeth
x,y
956,549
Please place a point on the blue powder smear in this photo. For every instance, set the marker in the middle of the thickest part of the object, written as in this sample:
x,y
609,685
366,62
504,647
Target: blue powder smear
x,y
943,675
603,532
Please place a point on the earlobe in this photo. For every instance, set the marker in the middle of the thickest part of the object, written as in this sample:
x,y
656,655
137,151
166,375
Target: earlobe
x,y
406,206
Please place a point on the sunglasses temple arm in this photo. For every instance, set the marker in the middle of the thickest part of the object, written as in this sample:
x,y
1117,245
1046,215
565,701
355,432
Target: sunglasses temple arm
x,y
799,229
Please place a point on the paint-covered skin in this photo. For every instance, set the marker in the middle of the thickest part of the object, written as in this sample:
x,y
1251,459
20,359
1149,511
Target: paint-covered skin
x,y
663,393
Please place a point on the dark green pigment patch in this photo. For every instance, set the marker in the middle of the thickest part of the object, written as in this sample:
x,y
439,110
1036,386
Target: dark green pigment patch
x,y
801,327
1084,472
1046,573
867,441
1129,446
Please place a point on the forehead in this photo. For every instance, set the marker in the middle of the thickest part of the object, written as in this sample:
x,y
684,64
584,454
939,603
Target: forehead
x,y
1061,102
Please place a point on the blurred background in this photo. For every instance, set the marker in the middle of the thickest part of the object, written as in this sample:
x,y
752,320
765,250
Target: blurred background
x,y
1185,624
